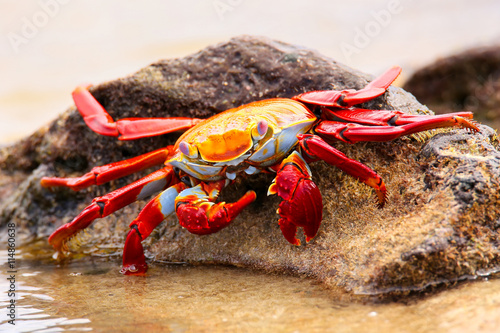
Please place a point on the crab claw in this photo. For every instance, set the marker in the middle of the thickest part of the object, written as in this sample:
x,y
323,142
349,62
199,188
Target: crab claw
x,y
200,215
302,204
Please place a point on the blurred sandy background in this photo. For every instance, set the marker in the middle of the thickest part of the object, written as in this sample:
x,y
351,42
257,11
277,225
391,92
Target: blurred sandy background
x,y
50,46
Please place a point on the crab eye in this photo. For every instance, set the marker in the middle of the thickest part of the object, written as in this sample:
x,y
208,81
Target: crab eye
x,y
259,131
188,149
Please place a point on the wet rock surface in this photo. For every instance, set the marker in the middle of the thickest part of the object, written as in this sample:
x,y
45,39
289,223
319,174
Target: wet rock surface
x,y
441,223
466,81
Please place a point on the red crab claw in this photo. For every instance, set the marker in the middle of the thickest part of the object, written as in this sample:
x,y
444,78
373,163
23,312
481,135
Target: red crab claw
x,y
199,215
346,98
302,204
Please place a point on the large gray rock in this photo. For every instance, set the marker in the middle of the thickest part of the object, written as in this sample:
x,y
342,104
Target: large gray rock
x,y
440,225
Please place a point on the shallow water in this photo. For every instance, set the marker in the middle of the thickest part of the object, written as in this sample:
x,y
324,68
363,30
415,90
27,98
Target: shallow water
x,y
89,294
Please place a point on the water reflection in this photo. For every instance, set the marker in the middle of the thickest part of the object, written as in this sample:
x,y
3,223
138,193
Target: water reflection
x,y
90,294
30,305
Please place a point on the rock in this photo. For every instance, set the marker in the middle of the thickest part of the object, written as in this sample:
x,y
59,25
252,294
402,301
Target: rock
x,y
440,225
466,81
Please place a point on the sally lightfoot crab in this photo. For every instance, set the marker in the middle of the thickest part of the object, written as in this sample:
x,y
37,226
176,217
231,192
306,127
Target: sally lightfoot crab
x,y
277,135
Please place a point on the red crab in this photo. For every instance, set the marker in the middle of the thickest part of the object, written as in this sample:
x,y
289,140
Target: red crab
x,y
277,135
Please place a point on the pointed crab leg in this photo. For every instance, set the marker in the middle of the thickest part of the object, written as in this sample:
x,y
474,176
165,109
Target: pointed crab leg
x,y
103,174
111,202
346,98
98,119
195,210
198,213
302,205
372,125
158,209
317,148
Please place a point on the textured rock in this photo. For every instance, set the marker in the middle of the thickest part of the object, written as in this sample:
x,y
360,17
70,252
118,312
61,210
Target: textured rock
x,y
466,81
441,223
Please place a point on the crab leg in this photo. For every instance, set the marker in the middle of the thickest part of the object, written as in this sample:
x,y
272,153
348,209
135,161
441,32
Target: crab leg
x,y
386,125
113,201
158,209
198,213
302,203
386,117
317,148
345,98
103,174
98,119
195,210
